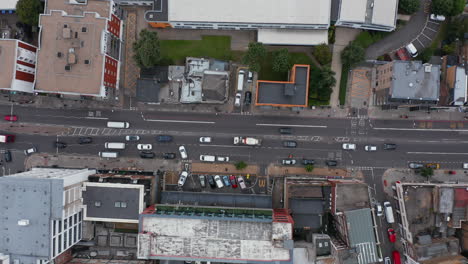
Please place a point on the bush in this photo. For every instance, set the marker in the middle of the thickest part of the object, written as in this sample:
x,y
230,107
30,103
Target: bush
x,y
281,60
309,167
408,6
241,165
427,172
254,55
147,49
352,54
331,34
323,54
325,84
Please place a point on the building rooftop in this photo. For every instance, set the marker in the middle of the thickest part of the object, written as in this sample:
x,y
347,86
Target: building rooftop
x,y
70,57
360,228
73,7
302,37
413,80
8,4
293,93
368,14
147,90
460,89
353,11
217,199
7,57
351,196
384,12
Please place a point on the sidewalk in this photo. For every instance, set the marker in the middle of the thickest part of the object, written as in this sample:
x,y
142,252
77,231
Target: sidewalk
x,y
274,170
225,168
452,114
31,129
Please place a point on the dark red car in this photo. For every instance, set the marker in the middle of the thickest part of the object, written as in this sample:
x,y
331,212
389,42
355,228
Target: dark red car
x,y
233,181
11,118
402,55
391,235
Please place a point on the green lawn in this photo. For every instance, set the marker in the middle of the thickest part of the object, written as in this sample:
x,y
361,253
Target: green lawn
x,y
175,51
267,73
343,84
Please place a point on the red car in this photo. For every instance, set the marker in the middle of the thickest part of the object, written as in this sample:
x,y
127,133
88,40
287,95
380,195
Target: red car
x,y
232,179
11,118
391,235
402,55
396,257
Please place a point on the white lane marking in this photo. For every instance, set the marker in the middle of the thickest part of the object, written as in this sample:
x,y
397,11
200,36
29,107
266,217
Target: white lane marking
x,y
437,153
222,146
180,121
99,118
422,129
286,125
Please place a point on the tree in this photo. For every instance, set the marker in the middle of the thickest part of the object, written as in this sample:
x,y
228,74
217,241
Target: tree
x,y
442,7
449,49
281,60
309,167
408,6
325,83
147,50
458,7
352,54
254,55
28,11
241,165
323,54
426,172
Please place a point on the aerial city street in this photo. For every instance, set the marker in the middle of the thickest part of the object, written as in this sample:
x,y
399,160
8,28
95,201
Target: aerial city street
x,y
215,131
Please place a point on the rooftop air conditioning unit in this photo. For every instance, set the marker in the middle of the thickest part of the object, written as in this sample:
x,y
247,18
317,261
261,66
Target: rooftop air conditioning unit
x,y
23,222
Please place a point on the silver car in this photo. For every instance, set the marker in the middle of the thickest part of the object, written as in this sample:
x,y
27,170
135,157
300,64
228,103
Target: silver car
x,y
414,165
183,152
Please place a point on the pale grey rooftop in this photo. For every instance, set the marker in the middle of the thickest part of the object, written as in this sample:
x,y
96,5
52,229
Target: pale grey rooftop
x,y
413,80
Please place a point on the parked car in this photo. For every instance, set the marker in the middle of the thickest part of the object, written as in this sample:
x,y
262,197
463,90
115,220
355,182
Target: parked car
x,y
85,140
205,140
218,181
207,158
248,98
60,145
349,146
289,144
391,235
402,54
238,100
7,156
389,146
147,155
414,165
396,257
379,209
232,179
182,178
132,138
222,159
434,166
226,181
11,118
285,130
308,162
250,77
370,148
183,152
388,260
465,165
144,147
164,138
169,155
202,179
30,151
437,17
211,181
241,182
331,163
288,162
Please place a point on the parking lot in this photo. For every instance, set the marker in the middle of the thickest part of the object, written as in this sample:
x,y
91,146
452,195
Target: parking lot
x,y
424,39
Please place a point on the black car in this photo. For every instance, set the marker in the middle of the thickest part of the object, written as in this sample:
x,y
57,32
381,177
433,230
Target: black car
x,y
147,155
285,130
289,144
308,162
248,98
7,156
331,163
164,138
85,140
211,181
169,155
60,145
389,146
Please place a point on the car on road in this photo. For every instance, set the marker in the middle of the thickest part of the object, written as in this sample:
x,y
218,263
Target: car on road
x,y
331,163
308,162
238,99
205,140
226,181
218,181
7,156
379,210
30,151
232,179
211,181
434,166
164,138
370,148
387,260
288,162
391,235
437,17
60,145
241,182
389,146
465,165
182,178
396,257
144,147
349,146
132,138
289,144
207,158
11,118
85,140
222,159
169,155
183,152
202,179
147,155
414,165
285,131
248,98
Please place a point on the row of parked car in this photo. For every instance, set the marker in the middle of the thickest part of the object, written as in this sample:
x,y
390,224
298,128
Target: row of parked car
x,y
352,146
215,181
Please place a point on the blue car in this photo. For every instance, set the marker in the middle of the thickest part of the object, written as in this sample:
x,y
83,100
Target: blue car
x,y
164,138
226,180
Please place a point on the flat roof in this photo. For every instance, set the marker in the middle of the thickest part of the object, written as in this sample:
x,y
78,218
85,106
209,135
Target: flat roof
x,y
102,7
8,4
460,89
413,80
7,57
217,199
361,234
353,11
292,93
292,37
384,12
248,11
85,79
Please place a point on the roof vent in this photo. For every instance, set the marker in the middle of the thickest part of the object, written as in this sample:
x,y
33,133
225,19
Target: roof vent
x,y
86,61
410,84
67,67
59,54
428,68
23,222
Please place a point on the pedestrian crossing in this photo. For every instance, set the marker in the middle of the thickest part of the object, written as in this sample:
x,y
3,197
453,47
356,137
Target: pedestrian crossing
x,y
88,131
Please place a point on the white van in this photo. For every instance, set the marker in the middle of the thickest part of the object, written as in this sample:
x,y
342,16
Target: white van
x,y
107,154
207,158
114,145
240,81
114,124
412,50
389,212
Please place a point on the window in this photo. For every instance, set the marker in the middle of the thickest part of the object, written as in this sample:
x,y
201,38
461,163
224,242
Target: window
x,y
76,34
117,204
70,242
54,231
59,244
80,216
70,220
74,233
60,226
123,204
84,29
54,250
75,218
96,203
65,240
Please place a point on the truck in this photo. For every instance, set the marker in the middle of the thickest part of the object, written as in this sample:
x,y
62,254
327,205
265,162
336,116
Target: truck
x,y
7,138
247,141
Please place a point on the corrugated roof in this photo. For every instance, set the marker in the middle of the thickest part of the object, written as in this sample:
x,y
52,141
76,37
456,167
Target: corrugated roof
x,y
361,234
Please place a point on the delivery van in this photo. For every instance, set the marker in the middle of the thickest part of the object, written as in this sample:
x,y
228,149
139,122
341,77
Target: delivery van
x,y
115,145
107,154
240,81
412,50
389,212
114,124
207,158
